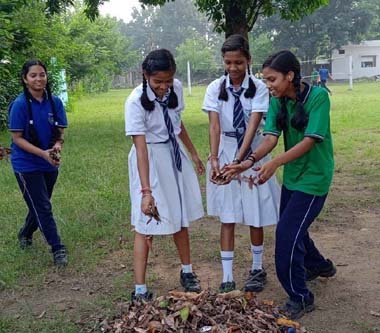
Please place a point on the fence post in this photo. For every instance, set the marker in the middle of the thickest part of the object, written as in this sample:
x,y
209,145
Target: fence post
x,y
350,71
188,78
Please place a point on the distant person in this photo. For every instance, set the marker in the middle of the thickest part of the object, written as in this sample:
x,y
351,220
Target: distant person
x,y
164,189
324,74
235,104
300,113
314,78
36,121
259,75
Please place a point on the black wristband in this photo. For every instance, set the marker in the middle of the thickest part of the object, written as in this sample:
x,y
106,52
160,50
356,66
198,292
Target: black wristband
x,y
252,158
236,160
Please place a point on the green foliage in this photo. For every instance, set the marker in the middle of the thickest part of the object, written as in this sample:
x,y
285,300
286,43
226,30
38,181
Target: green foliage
x,y
326,29
240,16
168,26
260,46
91,51
98,51
9,88
372,7
90,7
200,56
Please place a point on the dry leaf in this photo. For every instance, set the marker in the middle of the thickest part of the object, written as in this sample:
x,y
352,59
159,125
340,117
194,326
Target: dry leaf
x,y
231,294
154,326
288,323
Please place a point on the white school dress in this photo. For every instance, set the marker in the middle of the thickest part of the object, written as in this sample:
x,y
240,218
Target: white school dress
x,y
177,194
239,201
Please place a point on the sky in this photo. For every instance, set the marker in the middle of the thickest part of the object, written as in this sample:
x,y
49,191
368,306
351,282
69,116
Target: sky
x,y
121,9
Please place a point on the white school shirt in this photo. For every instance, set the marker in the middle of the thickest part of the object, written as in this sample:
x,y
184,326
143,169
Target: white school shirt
x,y
139,121
259,103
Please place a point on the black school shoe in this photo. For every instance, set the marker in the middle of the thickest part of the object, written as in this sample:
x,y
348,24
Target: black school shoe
x,y
60,257
328,270
226,287
24,242
190,282
295,310
141,298
256,280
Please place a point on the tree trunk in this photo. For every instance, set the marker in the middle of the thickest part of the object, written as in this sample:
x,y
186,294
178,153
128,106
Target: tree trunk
x,y
236,20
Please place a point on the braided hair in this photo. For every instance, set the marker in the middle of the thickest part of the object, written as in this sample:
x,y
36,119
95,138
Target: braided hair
x,y
31,128
160,60
237,42
285,62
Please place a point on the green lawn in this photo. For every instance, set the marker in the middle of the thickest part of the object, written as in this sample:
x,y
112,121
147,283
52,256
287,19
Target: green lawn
x,y
91,200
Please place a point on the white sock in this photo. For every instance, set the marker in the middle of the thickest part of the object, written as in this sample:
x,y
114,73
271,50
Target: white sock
x,y
227,263
187,268
140,289
257,256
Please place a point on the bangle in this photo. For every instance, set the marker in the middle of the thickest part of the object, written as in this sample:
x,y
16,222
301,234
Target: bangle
x,y
146,194
146,189
252,158
212,157
236,160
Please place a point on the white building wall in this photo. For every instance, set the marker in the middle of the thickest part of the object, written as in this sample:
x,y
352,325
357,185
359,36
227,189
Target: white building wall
x,y
340,62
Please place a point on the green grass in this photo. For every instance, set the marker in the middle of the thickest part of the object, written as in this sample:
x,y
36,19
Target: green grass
x,y
91,199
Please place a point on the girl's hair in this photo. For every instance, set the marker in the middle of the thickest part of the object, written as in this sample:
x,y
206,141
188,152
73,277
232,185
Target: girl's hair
x,y
285,62
160,60
32,131
237,42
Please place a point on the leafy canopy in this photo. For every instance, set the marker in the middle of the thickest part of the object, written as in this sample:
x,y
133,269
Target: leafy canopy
x,y
239,16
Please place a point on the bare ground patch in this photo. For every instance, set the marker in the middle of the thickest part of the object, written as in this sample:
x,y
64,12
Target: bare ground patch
x,y
347,232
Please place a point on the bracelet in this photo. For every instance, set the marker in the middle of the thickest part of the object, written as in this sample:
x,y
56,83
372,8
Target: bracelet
x,y
146,194
252,158
236,160
146,189
212,157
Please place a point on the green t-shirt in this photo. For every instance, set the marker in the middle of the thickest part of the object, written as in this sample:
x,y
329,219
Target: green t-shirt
x,y
312,172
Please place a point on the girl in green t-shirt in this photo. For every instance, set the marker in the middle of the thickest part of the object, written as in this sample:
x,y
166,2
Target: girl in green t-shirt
x,y
301,113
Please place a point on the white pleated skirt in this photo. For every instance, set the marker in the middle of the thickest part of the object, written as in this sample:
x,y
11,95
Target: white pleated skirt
x,y
239,201
177,194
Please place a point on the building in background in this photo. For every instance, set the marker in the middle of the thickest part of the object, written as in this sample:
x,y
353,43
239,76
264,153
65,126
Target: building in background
x,y
365,60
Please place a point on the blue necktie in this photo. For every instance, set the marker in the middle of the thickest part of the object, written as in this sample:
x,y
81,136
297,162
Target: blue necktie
x,y
238,119
169,126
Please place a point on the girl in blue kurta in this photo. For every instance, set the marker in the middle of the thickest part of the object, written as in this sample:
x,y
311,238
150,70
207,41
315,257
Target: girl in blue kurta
x,y
36,121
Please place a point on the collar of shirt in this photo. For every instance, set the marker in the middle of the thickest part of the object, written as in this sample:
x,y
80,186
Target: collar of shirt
x,y
45,98
306,92
244,84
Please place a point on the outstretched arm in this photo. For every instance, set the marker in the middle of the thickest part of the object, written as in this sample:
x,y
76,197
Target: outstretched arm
x,y
269,168
266,146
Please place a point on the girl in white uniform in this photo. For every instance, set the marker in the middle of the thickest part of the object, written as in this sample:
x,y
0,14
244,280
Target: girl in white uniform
x,y
161,174
235,104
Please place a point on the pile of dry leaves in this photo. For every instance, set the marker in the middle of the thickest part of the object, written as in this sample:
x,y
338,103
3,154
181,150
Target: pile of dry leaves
x,y
204,312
